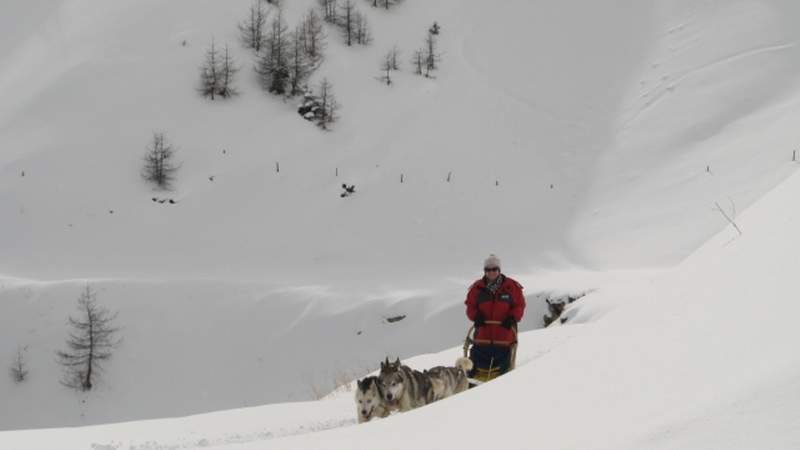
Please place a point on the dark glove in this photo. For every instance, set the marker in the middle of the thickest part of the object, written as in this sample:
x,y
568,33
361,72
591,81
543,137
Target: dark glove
x,y
479,320
509,322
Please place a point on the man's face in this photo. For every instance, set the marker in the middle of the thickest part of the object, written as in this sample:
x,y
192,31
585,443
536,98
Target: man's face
x,y
491,273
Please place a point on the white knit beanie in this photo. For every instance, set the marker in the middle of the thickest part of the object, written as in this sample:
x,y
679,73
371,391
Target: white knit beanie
x,y
492,261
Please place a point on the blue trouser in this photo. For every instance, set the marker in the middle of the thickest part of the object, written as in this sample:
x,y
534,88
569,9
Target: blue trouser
x,y
494,356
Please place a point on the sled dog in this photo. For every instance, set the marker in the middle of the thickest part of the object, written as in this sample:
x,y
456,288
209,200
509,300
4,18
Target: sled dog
x,y
403,387
447,381
406,389
370,400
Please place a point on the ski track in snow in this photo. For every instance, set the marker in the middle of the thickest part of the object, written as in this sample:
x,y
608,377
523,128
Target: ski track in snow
x,y
661,91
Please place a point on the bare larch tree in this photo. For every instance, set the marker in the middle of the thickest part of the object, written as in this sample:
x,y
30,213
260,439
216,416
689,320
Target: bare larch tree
x,y
432,56
347,20
418,61
252,28
328,106
387,65
209,72
89,344
329,10
300,67
19,370
394,57
362,34
159,167
217,73
273,67
313,37
227,71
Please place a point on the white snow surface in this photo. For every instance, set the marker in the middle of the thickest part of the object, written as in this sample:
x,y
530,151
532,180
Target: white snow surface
x,y
588,144
693,357
619,105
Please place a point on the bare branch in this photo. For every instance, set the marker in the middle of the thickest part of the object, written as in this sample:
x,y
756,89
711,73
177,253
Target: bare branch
x,y
728,218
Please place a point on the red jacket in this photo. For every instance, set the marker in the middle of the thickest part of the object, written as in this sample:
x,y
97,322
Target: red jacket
x,y
507,301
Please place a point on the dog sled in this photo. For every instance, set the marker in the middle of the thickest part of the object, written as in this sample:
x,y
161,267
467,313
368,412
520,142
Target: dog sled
x,y
492,370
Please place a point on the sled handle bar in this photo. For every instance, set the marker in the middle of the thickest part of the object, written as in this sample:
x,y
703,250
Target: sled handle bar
x,y
468,340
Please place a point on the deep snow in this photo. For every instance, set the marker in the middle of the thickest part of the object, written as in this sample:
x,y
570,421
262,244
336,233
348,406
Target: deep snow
x,y
700,356
581,138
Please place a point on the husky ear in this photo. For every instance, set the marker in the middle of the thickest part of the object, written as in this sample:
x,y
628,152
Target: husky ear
x,y
397,363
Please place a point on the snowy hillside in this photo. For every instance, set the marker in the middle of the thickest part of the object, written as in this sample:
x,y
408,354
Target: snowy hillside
x,y
611,103
701,356
590,144
191,347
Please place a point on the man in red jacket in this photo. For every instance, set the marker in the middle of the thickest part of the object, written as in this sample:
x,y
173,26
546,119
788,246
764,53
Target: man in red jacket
x,y
495,303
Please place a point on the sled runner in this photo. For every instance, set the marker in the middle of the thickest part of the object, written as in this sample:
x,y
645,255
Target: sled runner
x,y
490,371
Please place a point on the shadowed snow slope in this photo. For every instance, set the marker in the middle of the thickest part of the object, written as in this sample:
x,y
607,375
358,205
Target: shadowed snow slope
x,y
191,347
701,356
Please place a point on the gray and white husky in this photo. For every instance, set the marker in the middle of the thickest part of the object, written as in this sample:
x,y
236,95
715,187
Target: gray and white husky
x,y
447,381
406,388
370,400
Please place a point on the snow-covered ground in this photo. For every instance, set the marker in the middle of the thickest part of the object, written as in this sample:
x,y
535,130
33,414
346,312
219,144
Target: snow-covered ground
x,y
202,346
694,357
589,144
619,106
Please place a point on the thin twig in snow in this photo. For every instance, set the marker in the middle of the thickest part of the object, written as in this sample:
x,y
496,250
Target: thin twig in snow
x,y
725,215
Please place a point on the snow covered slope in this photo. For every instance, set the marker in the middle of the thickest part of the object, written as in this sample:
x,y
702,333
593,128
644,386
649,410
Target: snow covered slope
x,y
191,347
710,118
599,133
611,103
702,356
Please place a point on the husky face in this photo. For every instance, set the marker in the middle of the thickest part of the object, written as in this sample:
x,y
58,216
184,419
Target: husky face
x,y
368,398
393,380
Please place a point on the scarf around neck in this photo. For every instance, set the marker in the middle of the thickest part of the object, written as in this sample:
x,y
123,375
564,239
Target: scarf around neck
x,y
493,286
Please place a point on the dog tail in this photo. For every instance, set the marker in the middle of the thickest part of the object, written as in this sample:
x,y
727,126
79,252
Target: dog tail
x,y
464,364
